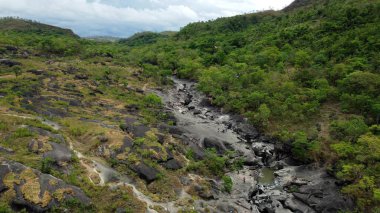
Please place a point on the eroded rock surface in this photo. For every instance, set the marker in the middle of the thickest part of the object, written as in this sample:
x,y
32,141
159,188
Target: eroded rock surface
x,y
31,189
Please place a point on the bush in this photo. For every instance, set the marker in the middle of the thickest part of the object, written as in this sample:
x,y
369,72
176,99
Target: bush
x,y
227,183
348,130
5,208
77,131
152,100
302,148
46,165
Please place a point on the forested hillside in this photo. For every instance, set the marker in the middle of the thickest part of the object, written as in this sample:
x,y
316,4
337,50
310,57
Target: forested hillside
x,y
308,77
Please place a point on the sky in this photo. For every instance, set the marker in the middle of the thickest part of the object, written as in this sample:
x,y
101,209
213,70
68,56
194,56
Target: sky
x,y
122,18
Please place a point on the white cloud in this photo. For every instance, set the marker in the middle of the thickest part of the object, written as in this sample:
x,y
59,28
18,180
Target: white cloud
x,y
125,17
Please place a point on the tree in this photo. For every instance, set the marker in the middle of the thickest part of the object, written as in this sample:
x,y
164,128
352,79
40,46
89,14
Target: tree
x,y
301,147
349,130
262,115
302,58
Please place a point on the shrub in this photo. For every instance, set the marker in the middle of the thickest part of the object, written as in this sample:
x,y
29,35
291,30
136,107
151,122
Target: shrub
x,y
46,165
227,183
348,130
77,131
152,100
302,147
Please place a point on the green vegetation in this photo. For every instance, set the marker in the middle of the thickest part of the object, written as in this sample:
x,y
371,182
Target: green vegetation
x,y
213,164
227,183
359,161
22,133
46,165
308,76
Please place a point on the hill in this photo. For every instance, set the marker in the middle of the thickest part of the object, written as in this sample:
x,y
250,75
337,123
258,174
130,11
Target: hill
x,y
301,4
28,26
144,38
307,78
307,75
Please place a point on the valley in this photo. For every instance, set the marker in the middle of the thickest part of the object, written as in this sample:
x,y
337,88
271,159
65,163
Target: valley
x,y
274,111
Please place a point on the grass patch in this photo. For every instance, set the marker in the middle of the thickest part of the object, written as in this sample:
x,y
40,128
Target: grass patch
x,y
22,133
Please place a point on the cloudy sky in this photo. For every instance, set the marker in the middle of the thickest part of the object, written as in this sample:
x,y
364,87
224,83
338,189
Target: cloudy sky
x,y
125,17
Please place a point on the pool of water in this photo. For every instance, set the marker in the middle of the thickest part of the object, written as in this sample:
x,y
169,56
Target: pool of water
x,y
266,177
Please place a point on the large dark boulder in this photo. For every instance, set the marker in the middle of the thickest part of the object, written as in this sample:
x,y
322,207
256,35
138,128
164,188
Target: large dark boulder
x,y
81,76
9,63
127,143
36,72
247,131
146,172
173,164
188,99
4,170
132,127
324,197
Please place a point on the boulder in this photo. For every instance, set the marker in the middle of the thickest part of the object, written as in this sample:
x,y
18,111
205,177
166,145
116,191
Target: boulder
x,y
127,143
35,191
203,192
173,164
81,76
146,172
197,112
324,197
36,72
263,149
188,99
59,154
247,131
218,145
132,108
4,170
139,131
37,146
198,152
9,63
132,127
11,48
297,206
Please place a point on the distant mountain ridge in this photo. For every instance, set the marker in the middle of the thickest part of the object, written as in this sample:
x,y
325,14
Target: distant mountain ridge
x,y
103,38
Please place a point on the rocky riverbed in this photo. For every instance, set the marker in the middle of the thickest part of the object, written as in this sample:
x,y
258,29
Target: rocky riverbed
x,y
269,181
